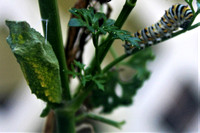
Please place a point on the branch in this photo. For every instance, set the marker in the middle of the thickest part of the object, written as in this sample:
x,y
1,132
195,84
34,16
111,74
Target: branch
x,y
122,57
113,52
99,118
126,10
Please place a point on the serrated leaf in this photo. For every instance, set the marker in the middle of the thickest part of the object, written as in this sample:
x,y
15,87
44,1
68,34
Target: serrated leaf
x,y
37,61
91,29
74,11
109,99
133,39
102,30
99,84
109,22
98,16
80,65
83,81
75,22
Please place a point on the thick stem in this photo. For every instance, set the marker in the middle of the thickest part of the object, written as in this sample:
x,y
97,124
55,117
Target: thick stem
x,y
49,11
77,101
65,121
126,10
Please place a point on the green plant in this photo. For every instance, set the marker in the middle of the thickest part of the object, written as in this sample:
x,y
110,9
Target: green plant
x,y
45,69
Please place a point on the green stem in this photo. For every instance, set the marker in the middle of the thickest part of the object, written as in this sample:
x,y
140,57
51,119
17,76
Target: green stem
x,y
124,56
193,18
49,11
113,52
99,118
65,121
192,8
95,39
127,8
117,60
76,102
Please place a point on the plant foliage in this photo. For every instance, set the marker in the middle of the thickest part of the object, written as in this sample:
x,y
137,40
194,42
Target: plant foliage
x,y
108,99
85,77
97,23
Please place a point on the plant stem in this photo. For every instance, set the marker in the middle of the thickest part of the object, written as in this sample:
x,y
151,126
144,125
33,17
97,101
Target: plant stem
x,y
104,47
124,56
65,121
49,11
76,102
113,52
100,118
95,39
126,10
117,60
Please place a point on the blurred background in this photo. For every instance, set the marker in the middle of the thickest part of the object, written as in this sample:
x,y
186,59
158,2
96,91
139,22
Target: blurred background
x,y
167,102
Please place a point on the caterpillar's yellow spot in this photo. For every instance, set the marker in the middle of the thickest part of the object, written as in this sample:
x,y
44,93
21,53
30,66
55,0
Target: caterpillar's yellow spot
x,y
165,30
169,24
176,17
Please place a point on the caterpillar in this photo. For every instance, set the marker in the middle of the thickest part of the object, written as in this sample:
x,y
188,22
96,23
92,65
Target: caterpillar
x,y
176,16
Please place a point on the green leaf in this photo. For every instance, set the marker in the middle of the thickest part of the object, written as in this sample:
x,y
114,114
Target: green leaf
x,y
98,16
109,99
78,64
37,60
97,22
109,22
99,84
74,11
83,80
102,30
82,76
75,22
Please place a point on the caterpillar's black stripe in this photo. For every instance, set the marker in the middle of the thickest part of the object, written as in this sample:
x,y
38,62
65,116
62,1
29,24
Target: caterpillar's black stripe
x,y
176,16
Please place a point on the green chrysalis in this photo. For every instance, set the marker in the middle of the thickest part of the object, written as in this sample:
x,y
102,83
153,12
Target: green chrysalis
x,y
37,60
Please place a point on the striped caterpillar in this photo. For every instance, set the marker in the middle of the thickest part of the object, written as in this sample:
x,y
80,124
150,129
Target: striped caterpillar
x,y
176,16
